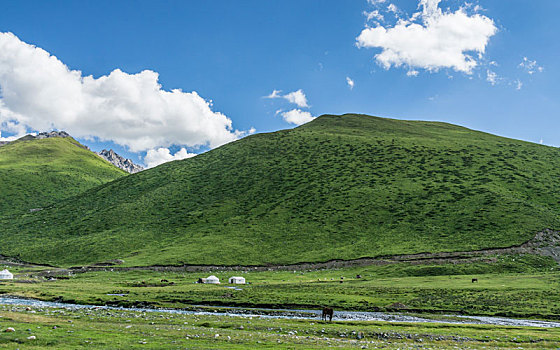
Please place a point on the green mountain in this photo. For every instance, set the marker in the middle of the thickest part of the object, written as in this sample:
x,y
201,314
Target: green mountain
x,y
35,173
340,187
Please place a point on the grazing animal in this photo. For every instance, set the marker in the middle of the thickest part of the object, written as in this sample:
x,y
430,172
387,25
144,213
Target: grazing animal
x,y
164,281
474,280
327,311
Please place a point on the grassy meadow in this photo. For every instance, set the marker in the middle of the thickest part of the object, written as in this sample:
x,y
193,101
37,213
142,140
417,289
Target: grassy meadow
x,y
121,329
501,288
528,289
38,173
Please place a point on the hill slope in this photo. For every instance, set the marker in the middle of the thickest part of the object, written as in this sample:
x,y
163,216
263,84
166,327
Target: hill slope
x,y
37,172
340,187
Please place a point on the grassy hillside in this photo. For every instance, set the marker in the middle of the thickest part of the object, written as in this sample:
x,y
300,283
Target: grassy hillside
x,y
36,173
340,187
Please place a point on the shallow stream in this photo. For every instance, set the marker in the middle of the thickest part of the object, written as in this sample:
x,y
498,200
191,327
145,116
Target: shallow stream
x,y
298,314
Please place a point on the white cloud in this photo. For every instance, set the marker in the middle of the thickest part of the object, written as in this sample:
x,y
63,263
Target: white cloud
x,y
8,138
412,73
441,40
373,15
275,94
297,116
39,92
518,84
392,8
491,77
17,130
375,2
155,157
350,83
530,66
296,97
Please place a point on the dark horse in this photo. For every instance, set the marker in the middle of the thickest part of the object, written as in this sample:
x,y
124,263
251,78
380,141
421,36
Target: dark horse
x,y
474,280
327,311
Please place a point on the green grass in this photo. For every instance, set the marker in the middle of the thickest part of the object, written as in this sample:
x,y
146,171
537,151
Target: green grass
x,y
515,286
340,187
37,173
101,329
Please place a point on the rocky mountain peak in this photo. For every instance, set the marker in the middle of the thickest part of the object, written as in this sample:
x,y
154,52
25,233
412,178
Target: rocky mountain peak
x,y
46,135
119,161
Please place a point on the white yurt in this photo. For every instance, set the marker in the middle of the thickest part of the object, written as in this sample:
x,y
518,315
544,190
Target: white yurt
x,y
213,280
6,275
237,280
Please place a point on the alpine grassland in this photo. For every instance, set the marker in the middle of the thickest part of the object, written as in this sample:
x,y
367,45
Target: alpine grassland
x,y
440,295
513,286
339,187
36,173
51,328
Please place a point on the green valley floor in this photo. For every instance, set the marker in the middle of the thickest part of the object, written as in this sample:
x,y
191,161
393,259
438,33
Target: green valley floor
x,y
515,286
48,328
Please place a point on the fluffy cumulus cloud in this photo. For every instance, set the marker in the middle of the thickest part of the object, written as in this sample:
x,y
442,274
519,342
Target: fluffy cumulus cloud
x,y
297,116
155,157
431,39
297,97
39,92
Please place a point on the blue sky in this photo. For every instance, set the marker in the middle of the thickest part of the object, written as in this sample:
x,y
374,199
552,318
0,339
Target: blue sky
x,y
235,53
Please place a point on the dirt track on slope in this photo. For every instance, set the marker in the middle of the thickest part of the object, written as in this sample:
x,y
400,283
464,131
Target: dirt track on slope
x,y
545,243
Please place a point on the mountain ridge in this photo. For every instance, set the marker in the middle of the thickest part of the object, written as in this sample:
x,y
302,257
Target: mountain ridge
x,y
340,187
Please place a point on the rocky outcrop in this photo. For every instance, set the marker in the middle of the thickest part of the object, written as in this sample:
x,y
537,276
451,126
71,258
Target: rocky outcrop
x,y
46,135
119,161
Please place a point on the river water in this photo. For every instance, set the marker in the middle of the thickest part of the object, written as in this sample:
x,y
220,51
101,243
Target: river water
x,y
298,314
